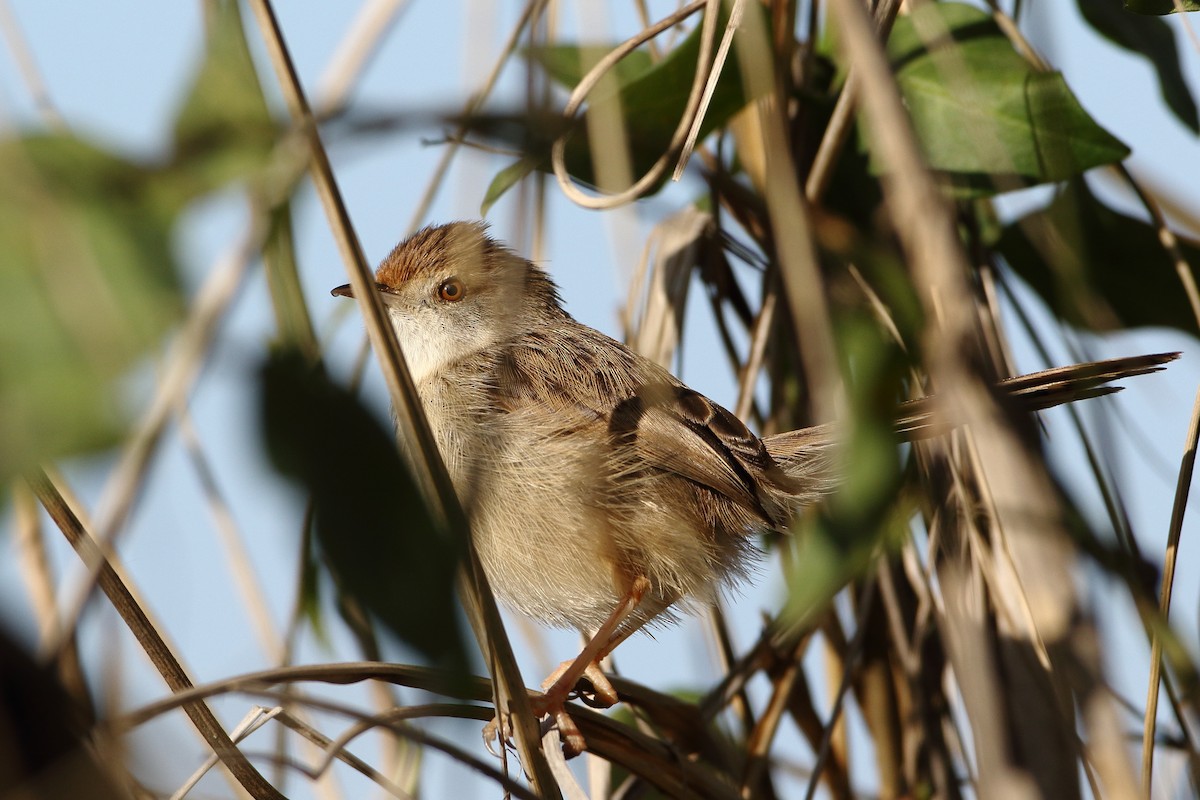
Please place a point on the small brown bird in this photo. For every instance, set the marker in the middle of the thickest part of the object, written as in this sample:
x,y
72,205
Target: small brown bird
x,y
602,492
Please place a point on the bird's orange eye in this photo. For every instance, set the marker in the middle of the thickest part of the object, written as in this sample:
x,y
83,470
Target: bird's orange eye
x,y
451,290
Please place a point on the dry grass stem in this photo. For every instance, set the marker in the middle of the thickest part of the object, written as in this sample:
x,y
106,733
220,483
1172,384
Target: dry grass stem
x,y
150,639
1182,489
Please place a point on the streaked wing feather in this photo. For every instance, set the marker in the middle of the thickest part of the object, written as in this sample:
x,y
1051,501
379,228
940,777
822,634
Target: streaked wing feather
x,y
673,428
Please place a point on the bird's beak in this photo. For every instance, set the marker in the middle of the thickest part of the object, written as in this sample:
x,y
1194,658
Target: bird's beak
x,y
345,291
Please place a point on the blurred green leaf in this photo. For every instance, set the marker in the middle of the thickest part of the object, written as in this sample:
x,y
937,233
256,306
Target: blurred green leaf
x,y
283,282
88,279
838,540
985,117
223,130
87,285
1152,39
1161,7
1098,269
371,522
567,63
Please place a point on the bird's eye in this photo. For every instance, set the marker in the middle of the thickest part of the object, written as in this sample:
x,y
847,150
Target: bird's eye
x,y
451,290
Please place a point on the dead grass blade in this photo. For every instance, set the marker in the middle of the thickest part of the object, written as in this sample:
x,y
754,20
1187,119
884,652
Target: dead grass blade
x,y
660,288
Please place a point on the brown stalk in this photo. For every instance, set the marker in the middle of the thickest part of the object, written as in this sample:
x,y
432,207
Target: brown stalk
x,y
430,470
150,640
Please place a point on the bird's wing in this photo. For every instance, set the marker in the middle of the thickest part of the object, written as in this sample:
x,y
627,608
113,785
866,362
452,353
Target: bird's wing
x,y
653,421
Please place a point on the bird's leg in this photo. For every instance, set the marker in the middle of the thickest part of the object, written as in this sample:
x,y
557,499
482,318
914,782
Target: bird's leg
x,y
558,687
562,681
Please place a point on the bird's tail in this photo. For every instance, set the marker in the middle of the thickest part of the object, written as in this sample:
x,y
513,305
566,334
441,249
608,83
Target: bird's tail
x,y
796,450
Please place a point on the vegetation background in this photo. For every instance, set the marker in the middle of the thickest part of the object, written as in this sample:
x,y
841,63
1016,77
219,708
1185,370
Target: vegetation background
x,y
975,615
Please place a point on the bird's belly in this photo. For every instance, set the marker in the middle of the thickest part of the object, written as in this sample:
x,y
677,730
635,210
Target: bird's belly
x,y
563,529
547,555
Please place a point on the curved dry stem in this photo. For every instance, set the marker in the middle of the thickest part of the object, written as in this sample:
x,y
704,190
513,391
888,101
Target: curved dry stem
x,y
653,760
600,70
320,740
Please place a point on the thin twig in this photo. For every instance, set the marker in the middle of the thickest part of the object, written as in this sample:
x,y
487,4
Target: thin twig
x,y
28,68
714,75
1169,241
853,654
476,101
238,557
255,719
841,122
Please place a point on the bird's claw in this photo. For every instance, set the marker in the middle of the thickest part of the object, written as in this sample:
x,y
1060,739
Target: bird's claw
x,y
551,708
499,728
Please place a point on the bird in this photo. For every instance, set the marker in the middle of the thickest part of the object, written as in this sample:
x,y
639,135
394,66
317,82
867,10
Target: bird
x,y
603,493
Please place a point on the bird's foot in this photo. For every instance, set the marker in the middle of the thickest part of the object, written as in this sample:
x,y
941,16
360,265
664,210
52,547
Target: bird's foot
x,y
552,706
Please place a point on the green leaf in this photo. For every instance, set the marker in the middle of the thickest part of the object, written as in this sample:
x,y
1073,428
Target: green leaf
x,y
506,179
1152,39
1160,7
985,117
87,286
372,525
1098,269
223,130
